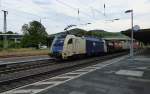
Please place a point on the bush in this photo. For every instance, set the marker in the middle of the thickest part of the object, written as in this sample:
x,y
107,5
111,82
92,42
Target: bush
x,y
1,44
11,44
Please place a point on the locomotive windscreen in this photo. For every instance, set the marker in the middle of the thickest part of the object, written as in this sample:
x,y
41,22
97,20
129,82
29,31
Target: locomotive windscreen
x,y
59,42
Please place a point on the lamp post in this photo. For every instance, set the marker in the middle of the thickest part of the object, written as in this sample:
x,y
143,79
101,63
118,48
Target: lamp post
x,y
131,47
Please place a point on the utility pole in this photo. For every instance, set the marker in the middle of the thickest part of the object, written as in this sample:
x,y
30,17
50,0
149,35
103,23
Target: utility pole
x,y
132,48
104,10
78,15
5,29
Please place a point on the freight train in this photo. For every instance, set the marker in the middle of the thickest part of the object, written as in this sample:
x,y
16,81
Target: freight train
x,y
66,46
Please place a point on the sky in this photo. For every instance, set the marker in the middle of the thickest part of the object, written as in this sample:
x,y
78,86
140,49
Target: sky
x,y
55,15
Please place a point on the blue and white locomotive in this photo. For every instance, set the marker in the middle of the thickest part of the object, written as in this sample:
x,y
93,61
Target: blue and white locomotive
x,y
65,46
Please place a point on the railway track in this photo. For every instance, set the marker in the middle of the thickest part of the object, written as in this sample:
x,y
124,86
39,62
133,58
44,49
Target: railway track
x,y
21,69
7,68
29,74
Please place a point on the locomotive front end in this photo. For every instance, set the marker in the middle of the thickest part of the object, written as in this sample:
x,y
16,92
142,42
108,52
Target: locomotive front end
x,y
57,46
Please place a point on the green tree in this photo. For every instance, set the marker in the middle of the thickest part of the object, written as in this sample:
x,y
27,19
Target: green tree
x,y
34,34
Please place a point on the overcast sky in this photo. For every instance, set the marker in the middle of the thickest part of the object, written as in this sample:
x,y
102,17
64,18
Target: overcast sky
x,y
57,14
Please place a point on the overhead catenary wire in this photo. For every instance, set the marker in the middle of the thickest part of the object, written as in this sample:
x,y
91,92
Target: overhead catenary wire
x,y
77,10
93,13
93,9
74,8
15,11
30,16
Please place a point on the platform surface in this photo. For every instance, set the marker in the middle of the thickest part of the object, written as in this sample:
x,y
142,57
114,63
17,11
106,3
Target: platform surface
x,y
124,77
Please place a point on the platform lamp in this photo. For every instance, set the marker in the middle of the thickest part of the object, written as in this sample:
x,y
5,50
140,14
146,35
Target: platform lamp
x,y
131,47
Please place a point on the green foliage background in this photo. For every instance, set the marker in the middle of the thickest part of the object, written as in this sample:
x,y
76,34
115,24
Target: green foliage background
x,y
94,33
34,34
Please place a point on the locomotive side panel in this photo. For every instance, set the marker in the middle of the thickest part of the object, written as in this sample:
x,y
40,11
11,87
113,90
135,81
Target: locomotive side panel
x,y
94,47
79,46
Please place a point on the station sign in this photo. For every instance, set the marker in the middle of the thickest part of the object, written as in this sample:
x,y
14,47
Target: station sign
x,y
136,28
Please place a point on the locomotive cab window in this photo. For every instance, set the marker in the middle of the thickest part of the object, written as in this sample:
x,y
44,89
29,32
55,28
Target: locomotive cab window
x,y
70,41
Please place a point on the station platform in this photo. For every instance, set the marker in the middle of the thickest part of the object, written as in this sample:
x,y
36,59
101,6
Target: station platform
x,y
117,76
22,59
123,77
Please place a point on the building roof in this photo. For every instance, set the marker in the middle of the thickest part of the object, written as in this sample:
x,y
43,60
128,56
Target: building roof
x,y
11,36
142,35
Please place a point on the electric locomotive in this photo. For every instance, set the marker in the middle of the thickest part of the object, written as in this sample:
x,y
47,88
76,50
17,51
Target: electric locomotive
x,y
65,46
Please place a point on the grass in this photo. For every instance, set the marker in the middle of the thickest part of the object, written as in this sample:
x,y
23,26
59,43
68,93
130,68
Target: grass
x,y
23,52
